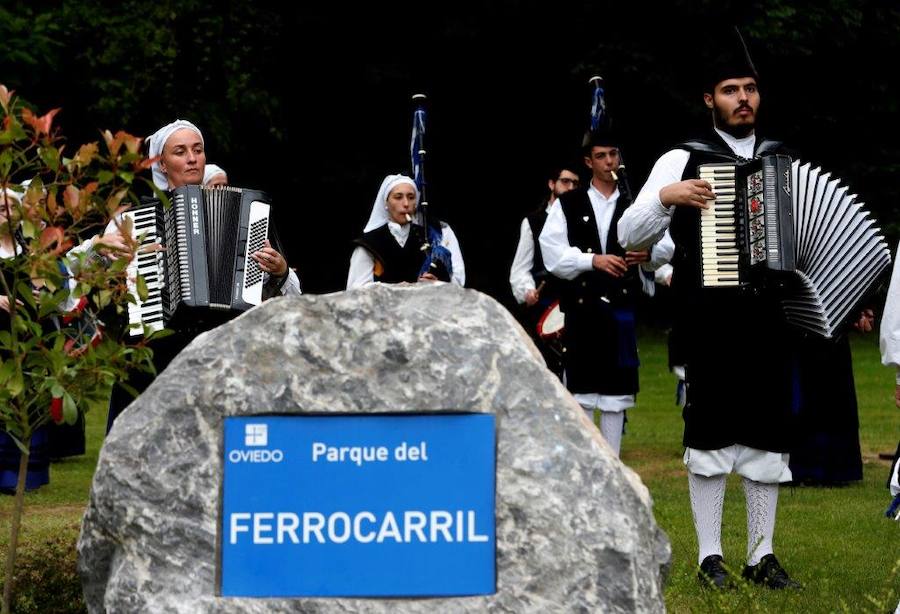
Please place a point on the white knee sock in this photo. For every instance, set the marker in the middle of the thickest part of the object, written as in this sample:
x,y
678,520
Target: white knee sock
x,y
762,502
707,500
611,428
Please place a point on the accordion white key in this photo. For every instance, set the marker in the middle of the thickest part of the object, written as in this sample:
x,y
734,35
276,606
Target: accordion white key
x,y
781,215
208,234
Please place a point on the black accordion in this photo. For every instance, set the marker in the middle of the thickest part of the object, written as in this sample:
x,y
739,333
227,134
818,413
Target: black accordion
x,y
208,235
776,215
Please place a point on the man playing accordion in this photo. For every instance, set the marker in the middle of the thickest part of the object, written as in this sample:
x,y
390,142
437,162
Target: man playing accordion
x,y
738,371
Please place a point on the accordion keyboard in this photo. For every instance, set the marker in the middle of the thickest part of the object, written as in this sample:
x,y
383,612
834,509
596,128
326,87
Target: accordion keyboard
x,y
146,263
720,252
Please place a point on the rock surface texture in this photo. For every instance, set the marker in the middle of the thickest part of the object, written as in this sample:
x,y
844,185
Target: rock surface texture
x,y
575,528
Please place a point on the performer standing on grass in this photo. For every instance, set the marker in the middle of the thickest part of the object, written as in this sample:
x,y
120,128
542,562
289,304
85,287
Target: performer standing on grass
x,y
738,371
599,282
533,287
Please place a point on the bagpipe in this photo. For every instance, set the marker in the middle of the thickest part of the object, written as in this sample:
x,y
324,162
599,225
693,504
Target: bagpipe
x,y
600,121
437,261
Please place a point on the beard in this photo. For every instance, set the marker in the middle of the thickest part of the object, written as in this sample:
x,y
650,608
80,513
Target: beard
x,y
721,121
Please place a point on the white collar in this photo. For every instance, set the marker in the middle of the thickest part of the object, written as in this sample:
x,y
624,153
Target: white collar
x,y
399,231
738,145
598,193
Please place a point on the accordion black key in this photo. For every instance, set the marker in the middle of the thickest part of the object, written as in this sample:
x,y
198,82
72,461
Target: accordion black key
x,y
208,234
774,214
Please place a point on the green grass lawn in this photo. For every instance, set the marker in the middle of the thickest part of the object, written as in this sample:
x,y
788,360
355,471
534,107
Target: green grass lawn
x,y
835,541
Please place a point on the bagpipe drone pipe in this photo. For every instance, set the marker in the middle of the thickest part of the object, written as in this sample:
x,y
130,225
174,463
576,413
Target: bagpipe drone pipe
x,y
437,259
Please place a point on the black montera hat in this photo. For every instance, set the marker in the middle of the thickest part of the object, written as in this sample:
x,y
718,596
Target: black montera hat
x,y
727,58
604,136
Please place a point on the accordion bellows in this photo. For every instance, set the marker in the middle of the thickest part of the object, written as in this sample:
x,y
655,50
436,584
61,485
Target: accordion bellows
x,y
839,251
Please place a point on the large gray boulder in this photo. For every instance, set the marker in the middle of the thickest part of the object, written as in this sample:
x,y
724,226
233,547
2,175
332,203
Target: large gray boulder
x,y
574,526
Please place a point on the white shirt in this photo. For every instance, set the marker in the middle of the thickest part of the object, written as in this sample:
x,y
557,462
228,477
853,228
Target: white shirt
x,y
561,258
362,264
568,262
520,278
644,222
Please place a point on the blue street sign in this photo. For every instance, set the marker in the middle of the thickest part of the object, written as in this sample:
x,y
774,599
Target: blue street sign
x,y
355,506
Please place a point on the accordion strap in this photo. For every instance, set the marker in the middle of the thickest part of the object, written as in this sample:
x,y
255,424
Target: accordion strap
x,y
766,146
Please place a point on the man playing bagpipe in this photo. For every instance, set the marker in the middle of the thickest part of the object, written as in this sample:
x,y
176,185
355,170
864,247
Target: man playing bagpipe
x,y
598,284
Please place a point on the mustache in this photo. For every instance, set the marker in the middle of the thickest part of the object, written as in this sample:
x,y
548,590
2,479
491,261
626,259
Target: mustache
x,y
741,107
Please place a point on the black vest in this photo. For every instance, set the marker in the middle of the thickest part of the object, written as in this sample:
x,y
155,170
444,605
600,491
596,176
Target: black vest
x,y
539,272
594,287
599,337
738,362
398,264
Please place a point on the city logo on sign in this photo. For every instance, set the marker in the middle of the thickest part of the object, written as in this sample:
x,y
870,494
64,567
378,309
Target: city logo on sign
x,y
256,434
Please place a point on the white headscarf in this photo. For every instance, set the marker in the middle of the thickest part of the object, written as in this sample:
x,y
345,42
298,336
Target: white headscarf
x,y
12,195
380,216
211,171
157,141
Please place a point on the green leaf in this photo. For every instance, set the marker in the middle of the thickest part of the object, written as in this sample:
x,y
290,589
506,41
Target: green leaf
x,y
70,410
16,383
50,156
56,390
104,297
157,334
29,230
6,161
6,370
105,176
14,132
142,288
25,294
130,389
51,302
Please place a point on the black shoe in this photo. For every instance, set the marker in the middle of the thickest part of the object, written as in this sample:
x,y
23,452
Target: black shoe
x,y
713,574
770,574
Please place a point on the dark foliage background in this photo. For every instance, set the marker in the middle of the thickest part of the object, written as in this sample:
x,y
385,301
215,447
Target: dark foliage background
x,y
311,101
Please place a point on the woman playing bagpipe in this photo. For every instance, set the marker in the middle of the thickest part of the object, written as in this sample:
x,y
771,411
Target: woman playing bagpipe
x,y
399,242
392,247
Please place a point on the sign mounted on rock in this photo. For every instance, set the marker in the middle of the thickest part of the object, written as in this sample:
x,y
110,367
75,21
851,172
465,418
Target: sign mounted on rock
x,y
375,505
